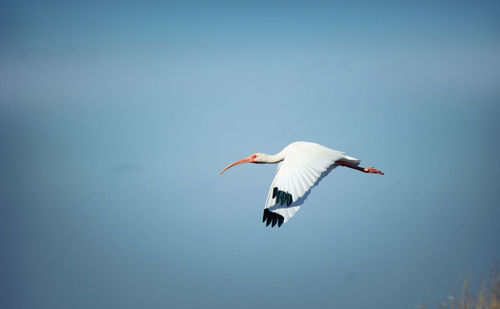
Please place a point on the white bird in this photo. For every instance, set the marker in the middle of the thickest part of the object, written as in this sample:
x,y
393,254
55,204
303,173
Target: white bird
x,y
301,166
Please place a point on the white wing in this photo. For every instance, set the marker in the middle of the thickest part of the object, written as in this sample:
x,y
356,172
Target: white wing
x,y
305,164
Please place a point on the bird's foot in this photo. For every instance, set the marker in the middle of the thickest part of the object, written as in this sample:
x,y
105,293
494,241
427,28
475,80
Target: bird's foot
x,y
372,170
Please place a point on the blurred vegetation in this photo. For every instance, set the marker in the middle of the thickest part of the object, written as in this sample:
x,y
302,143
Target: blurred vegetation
x,y
485,296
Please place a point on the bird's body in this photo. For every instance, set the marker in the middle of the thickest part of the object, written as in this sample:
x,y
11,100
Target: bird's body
x,y
301,166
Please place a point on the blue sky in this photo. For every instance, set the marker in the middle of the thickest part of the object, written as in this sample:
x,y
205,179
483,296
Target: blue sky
x,y
115,121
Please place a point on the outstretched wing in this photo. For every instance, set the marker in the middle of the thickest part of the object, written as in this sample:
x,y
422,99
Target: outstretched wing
x,y
305,164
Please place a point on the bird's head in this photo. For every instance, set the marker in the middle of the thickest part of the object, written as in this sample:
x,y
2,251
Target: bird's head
x,y
253,158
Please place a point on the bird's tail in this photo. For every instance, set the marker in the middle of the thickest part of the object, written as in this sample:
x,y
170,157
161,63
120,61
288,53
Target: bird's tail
x,y
351,160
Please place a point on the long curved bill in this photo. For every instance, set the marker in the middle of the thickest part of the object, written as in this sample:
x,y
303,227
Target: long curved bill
x,y
245,160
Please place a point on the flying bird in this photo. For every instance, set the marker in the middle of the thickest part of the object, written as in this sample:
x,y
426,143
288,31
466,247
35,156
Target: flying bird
x,y
301,166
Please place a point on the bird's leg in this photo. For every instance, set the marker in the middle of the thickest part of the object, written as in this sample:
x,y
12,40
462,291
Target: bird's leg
x,y
369,170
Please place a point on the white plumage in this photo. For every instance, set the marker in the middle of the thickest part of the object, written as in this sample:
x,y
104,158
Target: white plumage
x,y
302,168
302,165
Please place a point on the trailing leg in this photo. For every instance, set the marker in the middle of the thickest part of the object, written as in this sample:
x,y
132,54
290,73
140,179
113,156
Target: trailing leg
x,y
369,170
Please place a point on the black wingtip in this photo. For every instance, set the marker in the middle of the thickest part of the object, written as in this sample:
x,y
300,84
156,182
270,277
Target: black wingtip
x,y
269,218
272,218
282,197
280,220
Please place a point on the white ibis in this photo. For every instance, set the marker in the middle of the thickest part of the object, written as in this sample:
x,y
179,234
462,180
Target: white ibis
x,y
301,166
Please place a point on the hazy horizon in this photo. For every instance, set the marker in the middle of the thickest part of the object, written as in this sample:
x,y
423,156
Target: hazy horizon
x,y
115,121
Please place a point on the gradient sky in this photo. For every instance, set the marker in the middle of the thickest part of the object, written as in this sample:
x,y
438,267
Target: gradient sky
x,y
116,119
